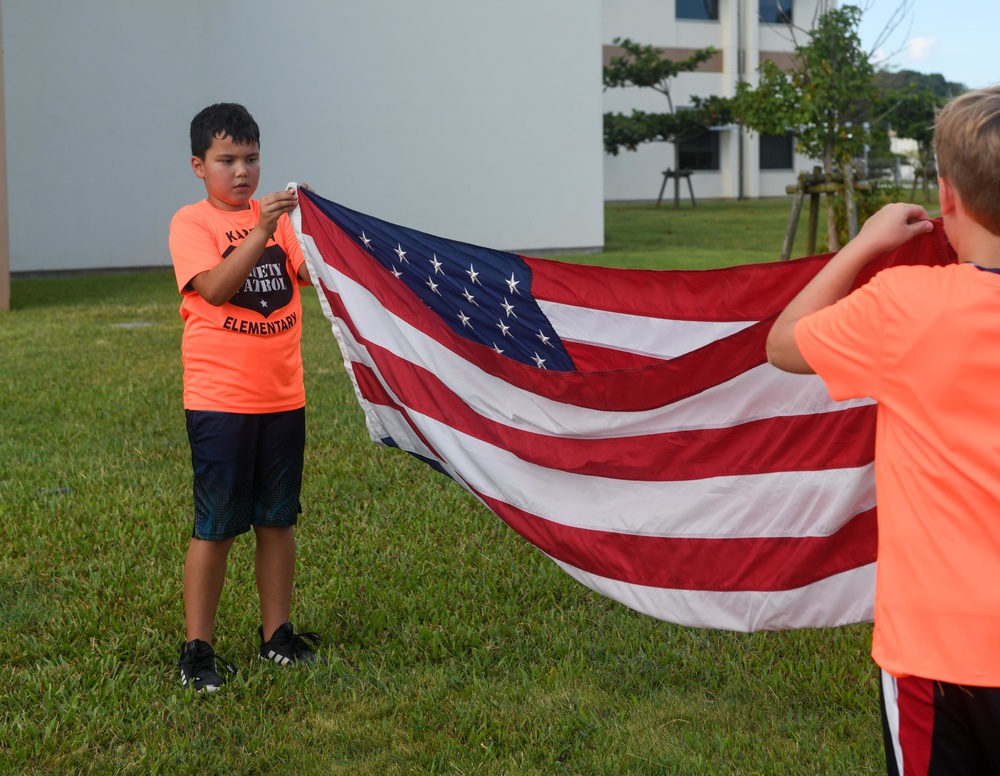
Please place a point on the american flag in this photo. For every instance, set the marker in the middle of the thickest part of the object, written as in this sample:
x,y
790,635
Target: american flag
x,y
625,422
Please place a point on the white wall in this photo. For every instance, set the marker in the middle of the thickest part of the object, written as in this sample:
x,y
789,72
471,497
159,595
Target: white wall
x,y
478,121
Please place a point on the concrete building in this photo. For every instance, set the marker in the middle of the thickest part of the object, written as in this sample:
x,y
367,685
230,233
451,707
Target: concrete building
x,y
727,163
457,118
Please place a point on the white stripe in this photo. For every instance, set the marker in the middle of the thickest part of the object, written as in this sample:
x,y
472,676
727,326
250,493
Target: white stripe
x,y
890,698
657,337
841,599
762,505
761,392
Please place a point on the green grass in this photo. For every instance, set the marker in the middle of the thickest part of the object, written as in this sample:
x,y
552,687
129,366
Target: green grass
x,y
454,646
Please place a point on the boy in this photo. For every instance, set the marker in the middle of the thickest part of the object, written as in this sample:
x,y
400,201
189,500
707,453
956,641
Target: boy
x,y
238,268
924,342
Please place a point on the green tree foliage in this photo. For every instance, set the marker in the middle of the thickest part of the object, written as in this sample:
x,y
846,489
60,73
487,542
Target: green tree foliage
x,y
645,67
824,99
909,105
911,80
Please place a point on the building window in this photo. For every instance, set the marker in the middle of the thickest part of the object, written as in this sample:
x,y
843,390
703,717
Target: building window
x,y
700,152
776,11
777,152
707,10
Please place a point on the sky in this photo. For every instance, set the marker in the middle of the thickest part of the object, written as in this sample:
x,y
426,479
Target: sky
x,y
956,39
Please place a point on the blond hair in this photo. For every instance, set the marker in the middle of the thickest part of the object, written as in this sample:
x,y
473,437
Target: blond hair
x,y
967,142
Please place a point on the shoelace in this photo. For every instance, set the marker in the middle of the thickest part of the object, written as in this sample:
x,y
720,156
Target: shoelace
x,y
300,646
208,660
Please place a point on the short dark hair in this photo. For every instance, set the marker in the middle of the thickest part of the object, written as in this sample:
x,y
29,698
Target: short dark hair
x,y
224,119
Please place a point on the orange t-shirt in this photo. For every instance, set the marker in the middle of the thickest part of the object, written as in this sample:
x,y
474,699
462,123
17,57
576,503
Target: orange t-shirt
x,y
242,356
924,342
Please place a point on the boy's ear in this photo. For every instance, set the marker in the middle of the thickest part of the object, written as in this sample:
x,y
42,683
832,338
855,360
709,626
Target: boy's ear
x,y
198,165
946,196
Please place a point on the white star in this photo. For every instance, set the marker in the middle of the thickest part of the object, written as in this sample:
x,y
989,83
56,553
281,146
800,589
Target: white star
x,y
513,284
471,299
509,308
401,253
504,328
436,264
498,350
263,303
366,240
544,339
464,319
432,286
471,272
397,273
539,361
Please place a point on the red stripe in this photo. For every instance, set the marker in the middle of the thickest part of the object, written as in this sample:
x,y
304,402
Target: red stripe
x,y
750,292
721,565
816,442
915,703
597,358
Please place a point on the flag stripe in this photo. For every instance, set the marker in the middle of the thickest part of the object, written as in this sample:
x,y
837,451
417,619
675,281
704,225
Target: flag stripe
x,y
840,599
754,447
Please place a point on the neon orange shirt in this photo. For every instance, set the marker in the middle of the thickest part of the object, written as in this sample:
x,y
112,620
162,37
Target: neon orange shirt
x,y
924,342
244,355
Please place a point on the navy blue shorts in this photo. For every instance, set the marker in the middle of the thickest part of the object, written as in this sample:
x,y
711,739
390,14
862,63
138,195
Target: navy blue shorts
x,y
247,470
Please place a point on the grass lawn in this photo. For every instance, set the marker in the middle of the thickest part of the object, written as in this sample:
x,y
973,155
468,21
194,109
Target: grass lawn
x,y
454,646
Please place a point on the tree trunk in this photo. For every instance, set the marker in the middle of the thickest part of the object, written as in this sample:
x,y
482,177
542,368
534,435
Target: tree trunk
x,y
832,236
849,203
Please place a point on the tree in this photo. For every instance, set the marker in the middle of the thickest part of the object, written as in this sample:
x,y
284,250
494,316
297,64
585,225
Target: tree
x,y
909,105
824,99
902,80
644,66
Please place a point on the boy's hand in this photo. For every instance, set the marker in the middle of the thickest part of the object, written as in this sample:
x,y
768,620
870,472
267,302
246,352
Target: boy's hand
x,y
273,206
892,226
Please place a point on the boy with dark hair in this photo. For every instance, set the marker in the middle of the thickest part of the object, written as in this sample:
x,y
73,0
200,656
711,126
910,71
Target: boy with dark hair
x,y
924,342
238,267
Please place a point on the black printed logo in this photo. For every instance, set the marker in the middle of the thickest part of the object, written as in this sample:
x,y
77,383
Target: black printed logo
x,y
268,288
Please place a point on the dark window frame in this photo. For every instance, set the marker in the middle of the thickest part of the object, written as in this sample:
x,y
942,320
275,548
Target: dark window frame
x,y
783,156
697,10
702,152
775,11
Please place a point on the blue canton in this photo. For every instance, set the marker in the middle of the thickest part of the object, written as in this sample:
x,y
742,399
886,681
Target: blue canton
x,y
484,295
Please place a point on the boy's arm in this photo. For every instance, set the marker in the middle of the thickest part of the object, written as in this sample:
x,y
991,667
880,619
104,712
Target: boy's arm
x,y
889,228
217,285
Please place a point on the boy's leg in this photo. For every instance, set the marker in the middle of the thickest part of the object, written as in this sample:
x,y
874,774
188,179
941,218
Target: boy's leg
x,y
274,566
277,484
222,459
204,575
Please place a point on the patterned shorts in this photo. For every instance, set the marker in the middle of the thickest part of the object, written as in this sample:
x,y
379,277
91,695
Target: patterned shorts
x,y
247,470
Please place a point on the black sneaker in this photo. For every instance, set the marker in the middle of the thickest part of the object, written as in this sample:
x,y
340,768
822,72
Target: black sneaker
x,y
199,667
287,647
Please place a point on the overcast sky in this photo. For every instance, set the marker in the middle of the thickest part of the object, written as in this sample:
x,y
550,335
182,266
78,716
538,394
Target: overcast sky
x,y
956,39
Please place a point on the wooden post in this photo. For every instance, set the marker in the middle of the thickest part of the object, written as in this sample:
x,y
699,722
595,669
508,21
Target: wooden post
x,y
813,224
815,185
793,219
